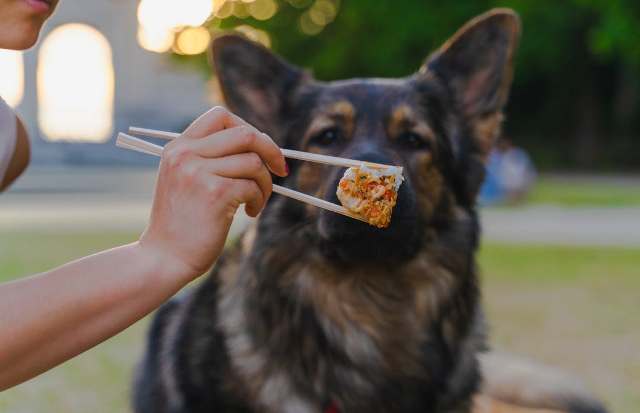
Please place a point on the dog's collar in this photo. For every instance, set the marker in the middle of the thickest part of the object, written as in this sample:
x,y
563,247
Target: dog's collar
x,y
333,408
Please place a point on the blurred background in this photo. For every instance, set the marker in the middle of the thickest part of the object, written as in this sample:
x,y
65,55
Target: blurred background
x,y
561,207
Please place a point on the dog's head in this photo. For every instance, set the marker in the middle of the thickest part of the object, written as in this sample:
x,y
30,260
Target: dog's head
x,y
439,124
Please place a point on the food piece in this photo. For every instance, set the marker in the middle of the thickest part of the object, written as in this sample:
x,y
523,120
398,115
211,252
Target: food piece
x,y
370,193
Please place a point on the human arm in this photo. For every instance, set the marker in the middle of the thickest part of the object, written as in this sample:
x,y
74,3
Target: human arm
x,y
217,164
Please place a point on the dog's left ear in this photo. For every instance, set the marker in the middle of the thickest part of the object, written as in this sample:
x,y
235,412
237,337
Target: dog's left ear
x,y
476,64
257,85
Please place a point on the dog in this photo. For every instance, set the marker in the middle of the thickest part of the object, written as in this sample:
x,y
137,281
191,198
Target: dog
x,y
316,312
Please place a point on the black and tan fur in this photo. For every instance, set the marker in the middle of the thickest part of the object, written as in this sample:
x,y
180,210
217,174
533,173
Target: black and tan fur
x,y
313,308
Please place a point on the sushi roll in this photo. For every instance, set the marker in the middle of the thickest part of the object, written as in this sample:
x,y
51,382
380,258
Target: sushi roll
x,y
371,193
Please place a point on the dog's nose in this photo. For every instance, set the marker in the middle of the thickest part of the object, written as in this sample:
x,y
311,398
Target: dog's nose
x,y
348,239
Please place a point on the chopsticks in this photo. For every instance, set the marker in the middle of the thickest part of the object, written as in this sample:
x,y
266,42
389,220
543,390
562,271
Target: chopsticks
x,y
287,153
132,143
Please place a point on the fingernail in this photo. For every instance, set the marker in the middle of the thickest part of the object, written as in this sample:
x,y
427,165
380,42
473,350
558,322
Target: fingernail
x,y
286,168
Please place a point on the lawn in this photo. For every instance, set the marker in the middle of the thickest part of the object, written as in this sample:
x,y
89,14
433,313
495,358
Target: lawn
x,y
563,191
575,308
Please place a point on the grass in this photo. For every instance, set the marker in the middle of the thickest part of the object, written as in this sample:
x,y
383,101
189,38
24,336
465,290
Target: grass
x,y
587,193
574,308
28,253
96,381
556,265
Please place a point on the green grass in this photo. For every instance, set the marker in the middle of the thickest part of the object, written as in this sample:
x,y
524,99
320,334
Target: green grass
x,y
28,253
558,264
584,193
96,381
574,308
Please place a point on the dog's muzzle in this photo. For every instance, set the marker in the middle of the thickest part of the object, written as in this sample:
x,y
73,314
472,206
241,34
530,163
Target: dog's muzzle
x,y
349,240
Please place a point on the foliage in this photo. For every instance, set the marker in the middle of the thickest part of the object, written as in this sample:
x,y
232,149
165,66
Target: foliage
x,y
576,94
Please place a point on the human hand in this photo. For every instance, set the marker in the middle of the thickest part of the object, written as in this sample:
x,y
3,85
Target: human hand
x,y
218,163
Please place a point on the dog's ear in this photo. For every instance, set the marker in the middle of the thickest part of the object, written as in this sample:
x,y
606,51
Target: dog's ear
x,y
476,64
255,83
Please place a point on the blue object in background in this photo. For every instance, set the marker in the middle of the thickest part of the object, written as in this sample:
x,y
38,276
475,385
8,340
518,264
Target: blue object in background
x,y
510,175
491,191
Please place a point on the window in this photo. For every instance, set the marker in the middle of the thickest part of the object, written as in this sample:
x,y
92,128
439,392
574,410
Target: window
x,y
12,79
75,85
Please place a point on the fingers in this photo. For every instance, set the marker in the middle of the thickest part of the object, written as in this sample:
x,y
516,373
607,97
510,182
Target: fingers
x,y
219,132
241,139
214,120
236,157
226,178
241,166
246,191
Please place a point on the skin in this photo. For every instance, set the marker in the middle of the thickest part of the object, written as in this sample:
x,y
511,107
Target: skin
x,y
20,26
20,159
217,164
21,23
204,176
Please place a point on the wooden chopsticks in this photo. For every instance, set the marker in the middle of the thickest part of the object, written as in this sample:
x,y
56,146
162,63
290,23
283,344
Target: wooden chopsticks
x,y
132,143
288,153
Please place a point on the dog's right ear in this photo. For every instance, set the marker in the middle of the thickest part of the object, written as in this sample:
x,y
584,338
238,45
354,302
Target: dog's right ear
x,y
256,84
476,63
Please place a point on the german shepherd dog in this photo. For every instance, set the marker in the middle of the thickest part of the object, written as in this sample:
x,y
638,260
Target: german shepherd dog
x,y
315,312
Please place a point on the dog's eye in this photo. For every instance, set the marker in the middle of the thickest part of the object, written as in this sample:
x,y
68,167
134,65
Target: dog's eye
x,y
412,140
327,137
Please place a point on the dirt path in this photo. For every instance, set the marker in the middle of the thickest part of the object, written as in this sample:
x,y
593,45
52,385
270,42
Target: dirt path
x,y
102,199
563,226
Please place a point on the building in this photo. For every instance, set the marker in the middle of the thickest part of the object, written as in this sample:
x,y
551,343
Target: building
x,y
81,96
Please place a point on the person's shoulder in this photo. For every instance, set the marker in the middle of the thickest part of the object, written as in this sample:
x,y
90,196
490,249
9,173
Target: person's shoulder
x,y
7,115
15,150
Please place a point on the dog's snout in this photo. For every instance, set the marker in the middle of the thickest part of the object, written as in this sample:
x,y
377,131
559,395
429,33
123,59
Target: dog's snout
x,y
346,237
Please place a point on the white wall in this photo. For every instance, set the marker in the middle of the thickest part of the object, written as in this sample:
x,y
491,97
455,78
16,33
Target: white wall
x,y
150,90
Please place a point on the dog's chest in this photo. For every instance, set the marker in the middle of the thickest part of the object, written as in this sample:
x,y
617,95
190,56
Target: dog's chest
x,y
322,349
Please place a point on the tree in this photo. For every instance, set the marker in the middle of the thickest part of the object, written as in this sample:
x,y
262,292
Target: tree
x,y
576,93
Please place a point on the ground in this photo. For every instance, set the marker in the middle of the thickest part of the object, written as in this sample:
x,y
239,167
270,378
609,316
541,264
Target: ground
x,y
548,299
572,307
586,190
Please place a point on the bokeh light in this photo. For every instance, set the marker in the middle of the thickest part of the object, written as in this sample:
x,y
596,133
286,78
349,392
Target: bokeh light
x,y
320,14
240,10
155,14
224,10
323,12
166,24
308,26
172,14
192,12
75,84
159,18
263,9
12,79
254,34
155,40
192,40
